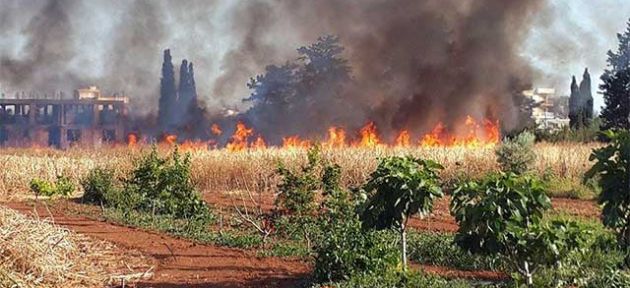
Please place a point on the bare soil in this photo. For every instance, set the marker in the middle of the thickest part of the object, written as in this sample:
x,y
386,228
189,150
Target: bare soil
x,y
181,263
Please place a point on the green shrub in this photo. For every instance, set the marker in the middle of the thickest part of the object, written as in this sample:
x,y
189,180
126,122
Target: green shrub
x,y
571,188
99,185
346,250
502,215
611,167
156,185
63,186
516,155
297,189
163,186
399,188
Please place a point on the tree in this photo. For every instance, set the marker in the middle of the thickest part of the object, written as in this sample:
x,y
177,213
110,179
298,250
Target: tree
x,y
611,169
616,85
574,106
586,99
168,93
502,215
399,188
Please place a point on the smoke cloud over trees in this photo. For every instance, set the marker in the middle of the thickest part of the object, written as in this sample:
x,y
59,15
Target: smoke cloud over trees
x,y
405,64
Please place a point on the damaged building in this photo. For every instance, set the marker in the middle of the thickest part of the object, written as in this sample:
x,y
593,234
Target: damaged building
x,y
88,119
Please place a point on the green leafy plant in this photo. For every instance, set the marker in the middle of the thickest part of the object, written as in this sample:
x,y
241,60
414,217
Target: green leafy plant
x,y
399,188
502,215
99,185
346,250
611,168
517,154
297,189
63,186
164,186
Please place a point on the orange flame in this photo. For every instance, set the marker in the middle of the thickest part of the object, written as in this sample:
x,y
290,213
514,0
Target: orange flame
x,y
336,138
239,138
295,142
259,143
216,130
403,139
132,139
170,139
369,136
474,135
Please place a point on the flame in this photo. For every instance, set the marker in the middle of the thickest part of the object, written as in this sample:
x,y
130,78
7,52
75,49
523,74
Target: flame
x,y
403,139
369,136
336,138
132,139
215,129
475,135
170,139
239,138
259,143
295,142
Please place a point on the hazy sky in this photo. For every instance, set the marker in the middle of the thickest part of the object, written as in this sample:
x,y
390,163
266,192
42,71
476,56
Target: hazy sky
x,y
567,36
573,34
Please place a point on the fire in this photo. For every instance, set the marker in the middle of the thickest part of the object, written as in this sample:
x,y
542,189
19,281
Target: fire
x,y
403,139
369,136
259,143
295,142
239,138
336,138
170,139
475,135
215,129
132,139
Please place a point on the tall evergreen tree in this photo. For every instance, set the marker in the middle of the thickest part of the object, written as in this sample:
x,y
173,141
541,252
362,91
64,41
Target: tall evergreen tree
x,y
168,93
586,97
574,105
616,85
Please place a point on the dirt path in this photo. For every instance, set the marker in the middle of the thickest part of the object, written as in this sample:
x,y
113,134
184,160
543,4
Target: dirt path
x,y
181,263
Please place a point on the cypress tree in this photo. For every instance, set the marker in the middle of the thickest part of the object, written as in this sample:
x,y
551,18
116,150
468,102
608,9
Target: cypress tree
x,y
616,85
183,91
586,99
168,93
574,105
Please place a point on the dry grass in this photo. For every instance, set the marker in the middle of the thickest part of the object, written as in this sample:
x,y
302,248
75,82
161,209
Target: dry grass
x,y
39,254
220,170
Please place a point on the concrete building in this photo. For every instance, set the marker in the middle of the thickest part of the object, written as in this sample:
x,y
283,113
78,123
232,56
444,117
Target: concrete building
x,y
550,112
88,119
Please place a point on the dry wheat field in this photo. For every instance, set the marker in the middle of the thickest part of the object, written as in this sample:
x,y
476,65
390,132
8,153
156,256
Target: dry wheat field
x,y
224,171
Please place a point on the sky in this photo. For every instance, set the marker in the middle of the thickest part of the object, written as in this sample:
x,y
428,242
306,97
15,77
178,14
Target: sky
x,y
571,35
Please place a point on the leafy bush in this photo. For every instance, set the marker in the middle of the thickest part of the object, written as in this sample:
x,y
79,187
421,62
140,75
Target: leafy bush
x,y
611,167
164,186
346,250
99,185
156,185
399,188
297,189
503,215
516,155
63,186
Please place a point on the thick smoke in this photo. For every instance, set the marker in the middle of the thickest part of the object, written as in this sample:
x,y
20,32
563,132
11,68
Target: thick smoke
x,y
413,62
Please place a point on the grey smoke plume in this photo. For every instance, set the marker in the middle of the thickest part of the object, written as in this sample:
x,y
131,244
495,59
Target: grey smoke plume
x,y
413,61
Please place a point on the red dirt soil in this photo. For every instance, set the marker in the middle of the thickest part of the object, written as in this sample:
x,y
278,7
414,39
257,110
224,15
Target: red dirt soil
x,y
181,263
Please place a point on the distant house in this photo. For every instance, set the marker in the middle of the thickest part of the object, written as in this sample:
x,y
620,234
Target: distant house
x,y
550,112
